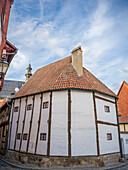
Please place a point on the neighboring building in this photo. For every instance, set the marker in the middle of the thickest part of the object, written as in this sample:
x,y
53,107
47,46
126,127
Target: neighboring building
x,y
123,117
11,87
5,46
5,108
28,74
64,111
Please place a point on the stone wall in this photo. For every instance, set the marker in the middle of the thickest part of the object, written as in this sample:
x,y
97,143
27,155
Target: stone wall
x,y
43,161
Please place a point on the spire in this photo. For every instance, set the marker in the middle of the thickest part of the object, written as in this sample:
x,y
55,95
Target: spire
x,y
28,74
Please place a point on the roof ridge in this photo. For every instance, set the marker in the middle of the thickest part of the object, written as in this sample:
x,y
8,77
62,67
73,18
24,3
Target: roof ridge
x,y
100,82
61,73
53,63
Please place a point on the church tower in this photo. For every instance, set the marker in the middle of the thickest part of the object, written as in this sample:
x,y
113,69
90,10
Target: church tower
x,y
28,74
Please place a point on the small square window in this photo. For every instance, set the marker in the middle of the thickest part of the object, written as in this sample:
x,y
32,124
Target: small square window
x,y
16,109
25,136
29,107
18,136
45,105
109,136
43,136
107,108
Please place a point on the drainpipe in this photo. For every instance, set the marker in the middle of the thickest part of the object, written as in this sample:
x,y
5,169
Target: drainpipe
x,y
119,130
8,130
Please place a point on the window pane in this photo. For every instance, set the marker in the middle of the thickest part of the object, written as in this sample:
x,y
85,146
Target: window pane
x,y
109,136
107,108
122,127
126,127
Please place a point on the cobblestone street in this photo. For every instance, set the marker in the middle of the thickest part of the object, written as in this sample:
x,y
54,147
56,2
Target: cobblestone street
x,y
5,166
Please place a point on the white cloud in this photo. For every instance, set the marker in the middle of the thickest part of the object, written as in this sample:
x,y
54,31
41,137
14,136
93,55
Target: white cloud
x,y
53,33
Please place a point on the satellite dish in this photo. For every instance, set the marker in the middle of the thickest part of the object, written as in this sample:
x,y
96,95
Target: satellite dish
x,y
16,89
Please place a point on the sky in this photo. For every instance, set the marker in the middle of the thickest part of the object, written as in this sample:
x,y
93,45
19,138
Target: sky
x,y
45,31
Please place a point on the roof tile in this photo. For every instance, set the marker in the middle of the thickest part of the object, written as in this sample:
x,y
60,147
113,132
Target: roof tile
x,y
61,75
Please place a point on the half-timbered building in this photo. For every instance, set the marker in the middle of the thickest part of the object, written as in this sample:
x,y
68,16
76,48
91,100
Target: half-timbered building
x,y
65,111
123,117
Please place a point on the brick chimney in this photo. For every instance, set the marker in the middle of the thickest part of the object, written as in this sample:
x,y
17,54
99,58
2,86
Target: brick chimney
x,y
77,60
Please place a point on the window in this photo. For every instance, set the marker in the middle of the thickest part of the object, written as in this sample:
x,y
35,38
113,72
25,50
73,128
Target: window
x,y
109,136
29,106
126,127
45,105
18,135
122,127
25,136
43,136
107,108
16,109
119,115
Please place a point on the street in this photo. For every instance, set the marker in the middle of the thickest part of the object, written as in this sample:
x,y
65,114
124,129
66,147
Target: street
x,y
5,166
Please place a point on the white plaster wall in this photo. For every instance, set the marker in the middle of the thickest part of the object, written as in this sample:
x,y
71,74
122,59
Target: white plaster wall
x,y
105,97
34,127
125,136
42,145
83,130
27,123
14,124
59,124
108,146
106,116
21,118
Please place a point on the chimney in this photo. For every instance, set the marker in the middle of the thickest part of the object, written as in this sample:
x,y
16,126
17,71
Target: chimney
x,y
77,60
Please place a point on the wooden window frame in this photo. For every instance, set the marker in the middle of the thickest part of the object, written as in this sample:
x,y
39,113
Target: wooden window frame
x,y
45,105
107,109
43,136
18,136
29,107
16,108
109,136
25,136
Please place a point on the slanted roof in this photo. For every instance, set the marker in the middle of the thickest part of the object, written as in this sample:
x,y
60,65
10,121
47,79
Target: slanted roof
x,y
61,75
9,87
123,102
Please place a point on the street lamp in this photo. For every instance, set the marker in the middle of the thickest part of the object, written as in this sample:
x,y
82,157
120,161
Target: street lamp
x,y
3,68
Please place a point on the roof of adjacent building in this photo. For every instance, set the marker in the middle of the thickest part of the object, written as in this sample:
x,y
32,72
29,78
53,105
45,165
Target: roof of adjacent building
x,y
9,87
61,75
123,102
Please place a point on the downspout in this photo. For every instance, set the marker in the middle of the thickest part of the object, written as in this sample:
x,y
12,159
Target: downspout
x,y
8,130
119,130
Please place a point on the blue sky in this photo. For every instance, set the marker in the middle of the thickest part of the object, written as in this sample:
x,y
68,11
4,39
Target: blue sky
x,y
45,31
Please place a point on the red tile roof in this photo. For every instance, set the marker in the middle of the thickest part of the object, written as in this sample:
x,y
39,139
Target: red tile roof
x,y
3,102
61,75
123,102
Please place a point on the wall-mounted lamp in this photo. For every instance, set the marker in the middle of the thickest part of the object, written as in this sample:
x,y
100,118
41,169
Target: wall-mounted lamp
x,y
3,68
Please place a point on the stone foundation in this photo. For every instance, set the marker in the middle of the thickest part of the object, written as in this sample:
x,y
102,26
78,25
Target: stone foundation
x,y
44,161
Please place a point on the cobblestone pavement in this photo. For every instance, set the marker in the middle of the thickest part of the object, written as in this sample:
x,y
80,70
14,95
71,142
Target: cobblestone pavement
x,y
5,166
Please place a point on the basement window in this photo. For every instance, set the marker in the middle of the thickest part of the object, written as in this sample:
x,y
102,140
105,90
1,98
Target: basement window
x,y
18,136
42,136
25,136
45,105
29,107
109,136
16,109
106,108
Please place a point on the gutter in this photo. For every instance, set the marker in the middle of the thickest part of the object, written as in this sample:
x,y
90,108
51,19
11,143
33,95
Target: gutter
x,y
87,90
